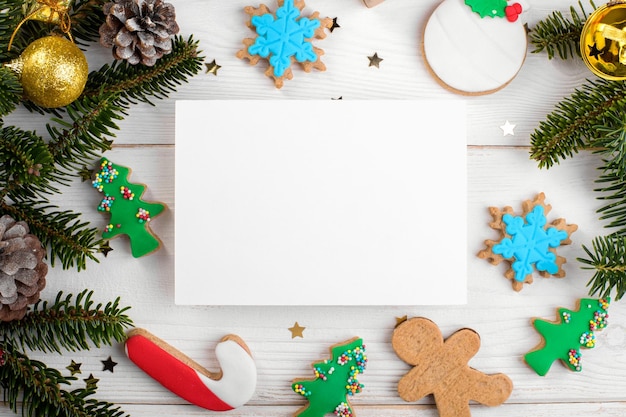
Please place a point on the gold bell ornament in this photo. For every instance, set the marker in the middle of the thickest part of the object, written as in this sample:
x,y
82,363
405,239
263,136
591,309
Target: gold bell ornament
x,y
50,11
52,70
603,41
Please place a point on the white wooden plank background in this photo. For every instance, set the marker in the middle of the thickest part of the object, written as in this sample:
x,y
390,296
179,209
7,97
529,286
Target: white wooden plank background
x,y
500,173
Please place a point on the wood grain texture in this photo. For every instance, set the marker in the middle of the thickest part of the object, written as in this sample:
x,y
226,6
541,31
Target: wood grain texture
x,y
500,173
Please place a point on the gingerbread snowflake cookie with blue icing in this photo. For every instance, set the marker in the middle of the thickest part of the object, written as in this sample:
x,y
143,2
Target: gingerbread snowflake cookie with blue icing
x,y
527,242
285,38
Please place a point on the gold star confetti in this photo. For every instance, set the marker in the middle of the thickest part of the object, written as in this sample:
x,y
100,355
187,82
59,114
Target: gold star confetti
x,y
212,67
108,143
108,364
85,174
400,320
375,60
507,128
296,330
91,382
105,248
74,368
335,25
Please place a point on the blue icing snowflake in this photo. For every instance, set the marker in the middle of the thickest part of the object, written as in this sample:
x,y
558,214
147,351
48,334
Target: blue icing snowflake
x,y
530,243
284,37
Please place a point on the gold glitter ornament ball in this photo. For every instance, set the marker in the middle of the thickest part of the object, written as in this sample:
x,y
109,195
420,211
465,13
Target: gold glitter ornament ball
x,y
603,41
52,70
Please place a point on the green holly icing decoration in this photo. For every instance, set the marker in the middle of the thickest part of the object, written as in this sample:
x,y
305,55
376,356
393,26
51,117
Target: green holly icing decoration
x,y
130,215
335,381
487,8
564,338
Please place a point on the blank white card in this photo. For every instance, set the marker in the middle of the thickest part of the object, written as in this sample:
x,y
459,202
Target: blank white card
x,y
331,202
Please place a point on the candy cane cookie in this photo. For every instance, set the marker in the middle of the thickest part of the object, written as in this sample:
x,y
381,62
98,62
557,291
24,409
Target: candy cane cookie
x,y
227,389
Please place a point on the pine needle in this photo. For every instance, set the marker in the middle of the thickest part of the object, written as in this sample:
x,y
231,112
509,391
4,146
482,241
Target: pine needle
x,y
560,35
608,259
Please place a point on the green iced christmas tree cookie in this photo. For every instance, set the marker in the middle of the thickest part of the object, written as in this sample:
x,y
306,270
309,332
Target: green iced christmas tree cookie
x,y
563,339
335,381
130,215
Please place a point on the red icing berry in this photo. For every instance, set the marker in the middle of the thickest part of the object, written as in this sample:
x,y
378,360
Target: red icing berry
x,y
513,11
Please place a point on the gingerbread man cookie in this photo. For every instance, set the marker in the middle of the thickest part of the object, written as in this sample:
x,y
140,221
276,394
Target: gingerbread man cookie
x,y
230,388
440,368
527,242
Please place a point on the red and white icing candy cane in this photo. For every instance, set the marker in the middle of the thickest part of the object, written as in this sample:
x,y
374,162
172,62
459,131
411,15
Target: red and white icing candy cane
x,y
230,388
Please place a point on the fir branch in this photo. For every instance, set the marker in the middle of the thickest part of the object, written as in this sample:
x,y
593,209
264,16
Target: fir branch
x,y
69,323
574,121
38,390
12,13
610,141
24,161
77,143
10,91
107,97
79,133
608,260
67,239
559,35
86,18
138,83
616,209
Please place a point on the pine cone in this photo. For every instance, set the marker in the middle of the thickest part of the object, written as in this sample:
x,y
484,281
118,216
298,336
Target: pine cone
x,y
22,271
138,30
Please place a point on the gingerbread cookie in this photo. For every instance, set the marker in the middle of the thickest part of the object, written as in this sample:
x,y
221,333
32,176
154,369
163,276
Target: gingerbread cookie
x,y
475,47
130,215
563,338
440,368
527,242
285,38
335,381
230,388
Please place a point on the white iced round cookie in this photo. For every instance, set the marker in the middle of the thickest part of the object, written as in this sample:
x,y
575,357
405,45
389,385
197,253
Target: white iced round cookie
x,y
470,54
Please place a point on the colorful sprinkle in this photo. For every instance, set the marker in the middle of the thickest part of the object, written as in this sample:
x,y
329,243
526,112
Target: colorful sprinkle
x,y
588,339
107,175
319,373
566,317
143,215
108,228
353,386
127,193
358,355
344,358
600,320
299,388
106,203
574,358
343,410
603,303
